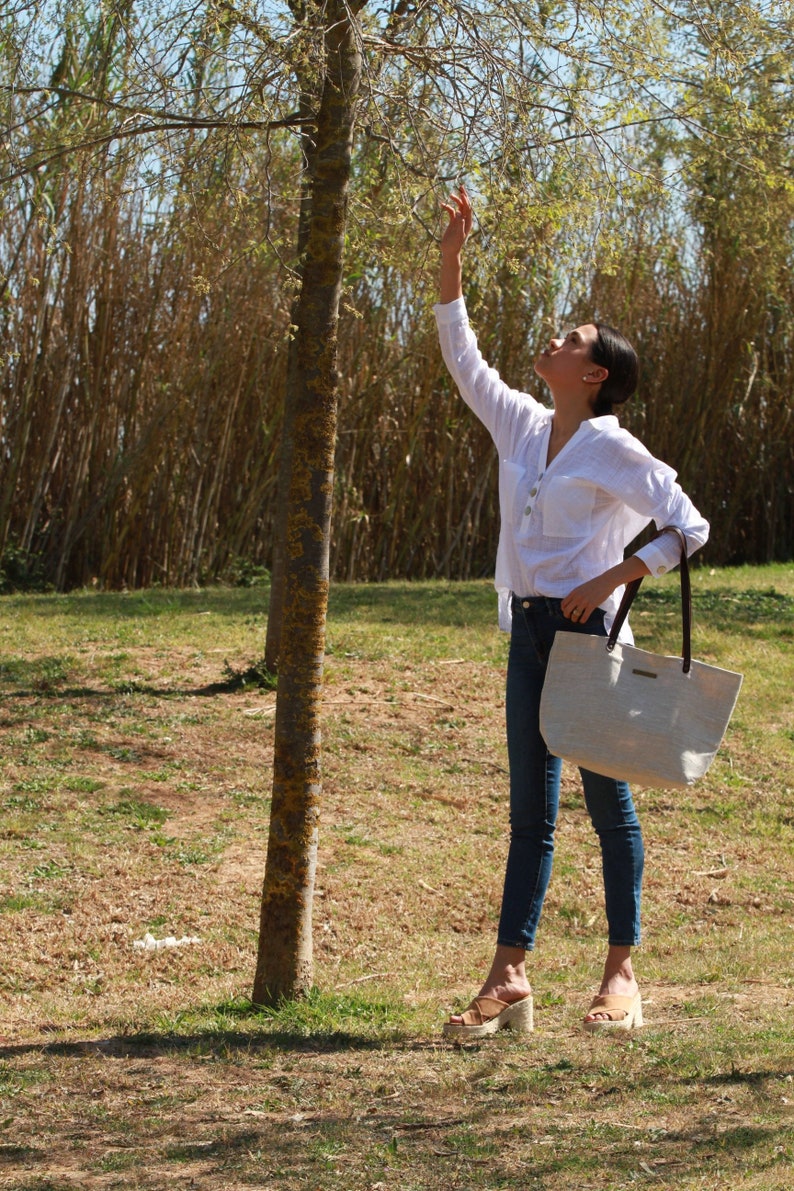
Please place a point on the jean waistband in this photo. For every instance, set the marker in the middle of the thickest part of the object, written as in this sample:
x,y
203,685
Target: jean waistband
x,y
521,603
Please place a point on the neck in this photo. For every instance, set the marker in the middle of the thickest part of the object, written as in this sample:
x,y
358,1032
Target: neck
x,y
563,427
566,422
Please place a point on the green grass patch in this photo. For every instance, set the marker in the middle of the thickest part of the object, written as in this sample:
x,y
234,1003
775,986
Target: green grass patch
x,y
136,812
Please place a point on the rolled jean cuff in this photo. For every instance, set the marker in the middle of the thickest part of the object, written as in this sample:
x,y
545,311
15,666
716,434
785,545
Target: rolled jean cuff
x,y
500,942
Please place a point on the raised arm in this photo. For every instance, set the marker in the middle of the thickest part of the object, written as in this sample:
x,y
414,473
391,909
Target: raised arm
x,y
454,237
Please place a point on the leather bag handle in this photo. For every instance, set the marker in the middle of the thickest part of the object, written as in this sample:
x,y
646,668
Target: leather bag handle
x,y
686,604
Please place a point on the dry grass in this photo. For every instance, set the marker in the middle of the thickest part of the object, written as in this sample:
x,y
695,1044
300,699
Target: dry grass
x,y
135,793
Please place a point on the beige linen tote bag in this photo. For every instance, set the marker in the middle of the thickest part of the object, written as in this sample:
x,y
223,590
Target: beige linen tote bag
x,y
634,715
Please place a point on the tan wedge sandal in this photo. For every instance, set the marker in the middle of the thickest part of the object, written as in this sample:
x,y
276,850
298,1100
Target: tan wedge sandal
x,y
487,1015
623,1013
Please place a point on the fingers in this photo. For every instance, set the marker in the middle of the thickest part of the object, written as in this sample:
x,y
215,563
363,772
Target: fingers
x,y
458,204
460,198
578,612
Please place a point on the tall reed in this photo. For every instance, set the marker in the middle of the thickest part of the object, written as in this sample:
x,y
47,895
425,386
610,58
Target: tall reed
x,y
145,341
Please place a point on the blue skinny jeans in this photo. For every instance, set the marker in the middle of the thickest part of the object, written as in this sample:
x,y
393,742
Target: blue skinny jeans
x,y
535,793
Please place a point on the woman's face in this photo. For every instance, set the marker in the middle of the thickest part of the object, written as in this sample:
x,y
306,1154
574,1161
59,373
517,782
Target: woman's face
x,y
566,361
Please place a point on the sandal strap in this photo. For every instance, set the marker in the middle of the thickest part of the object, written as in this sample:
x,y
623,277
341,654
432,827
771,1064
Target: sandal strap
x,y
615,1007
482,1010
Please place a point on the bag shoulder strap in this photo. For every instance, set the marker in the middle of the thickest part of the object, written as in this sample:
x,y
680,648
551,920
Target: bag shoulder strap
x,y
686,603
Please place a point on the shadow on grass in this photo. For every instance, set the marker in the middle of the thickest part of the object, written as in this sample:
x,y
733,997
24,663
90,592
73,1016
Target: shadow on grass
x,y
674,1156
229,1042
436,602
431,601
148,604
217,1043
724,606
44,678
466,602
324,1022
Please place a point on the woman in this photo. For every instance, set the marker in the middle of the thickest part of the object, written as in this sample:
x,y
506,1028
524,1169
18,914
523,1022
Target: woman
x,y
574,491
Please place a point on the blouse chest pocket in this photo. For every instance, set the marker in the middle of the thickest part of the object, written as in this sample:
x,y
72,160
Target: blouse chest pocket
x,y
566,505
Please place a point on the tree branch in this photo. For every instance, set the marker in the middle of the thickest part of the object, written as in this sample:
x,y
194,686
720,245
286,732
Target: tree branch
x,y
129,131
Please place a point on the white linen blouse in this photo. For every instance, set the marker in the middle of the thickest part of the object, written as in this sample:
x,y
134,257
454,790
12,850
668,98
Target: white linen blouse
x,y
565,522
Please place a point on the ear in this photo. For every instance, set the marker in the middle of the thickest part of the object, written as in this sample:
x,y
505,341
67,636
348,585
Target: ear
x,y
595,375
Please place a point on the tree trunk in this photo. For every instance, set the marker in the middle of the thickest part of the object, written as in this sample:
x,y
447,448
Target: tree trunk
x,y
278,570
284,962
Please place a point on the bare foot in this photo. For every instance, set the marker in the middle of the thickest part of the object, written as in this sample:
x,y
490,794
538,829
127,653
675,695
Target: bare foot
x,y
618,979
507,980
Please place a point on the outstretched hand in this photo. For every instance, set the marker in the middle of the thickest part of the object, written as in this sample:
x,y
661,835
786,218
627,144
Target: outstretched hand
x,y
457,230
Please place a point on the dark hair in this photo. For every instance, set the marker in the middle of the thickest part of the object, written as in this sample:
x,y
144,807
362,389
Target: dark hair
x,y
613,351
